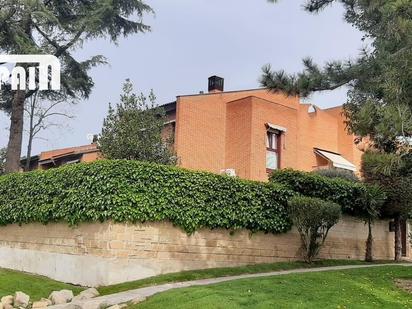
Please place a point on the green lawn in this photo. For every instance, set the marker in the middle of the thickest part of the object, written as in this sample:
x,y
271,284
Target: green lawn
x,y
222,272
302,290
360,288
35,286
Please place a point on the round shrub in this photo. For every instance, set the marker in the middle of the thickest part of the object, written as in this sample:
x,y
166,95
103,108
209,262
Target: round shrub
x,y
313,219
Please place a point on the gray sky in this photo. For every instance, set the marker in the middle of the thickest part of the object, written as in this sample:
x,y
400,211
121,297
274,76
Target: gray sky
x,y
194,39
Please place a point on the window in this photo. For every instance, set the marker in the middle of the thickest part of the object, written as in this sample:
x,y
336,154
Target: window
x,y
273,150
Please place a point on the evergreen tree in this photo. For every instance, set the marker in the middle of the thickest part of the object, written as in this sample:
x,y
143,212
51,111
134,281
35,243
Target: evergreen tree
x,y
134,130
393,173
380,80
58,27
379,104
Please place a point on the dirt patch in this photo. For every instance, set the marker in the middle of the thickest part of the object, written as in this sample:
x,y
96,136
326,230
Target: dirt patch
x,y
404,284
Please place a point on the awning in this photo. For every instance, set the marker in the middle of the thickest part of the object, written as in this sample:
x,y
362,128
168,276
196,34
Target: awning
x,y
275,127
336,159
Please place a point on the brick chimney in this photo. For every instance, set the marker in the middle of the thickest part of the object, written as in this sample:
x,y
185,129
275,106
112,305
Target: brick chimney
x,y
216,84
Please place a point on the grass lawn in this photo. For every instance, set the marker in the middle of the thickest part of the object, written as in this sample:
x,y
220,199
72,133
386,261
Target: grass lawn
x,y
222,272
35,286
360,288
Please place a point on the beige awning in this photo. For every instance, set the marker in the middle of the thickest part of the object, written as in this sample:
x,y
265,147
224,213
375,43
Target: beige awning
x,y
275,127
336,159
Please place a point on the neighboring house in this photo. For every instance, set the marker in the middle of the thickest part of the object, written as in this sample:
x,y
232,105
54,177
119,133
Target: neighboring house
x,y
247,133
59,157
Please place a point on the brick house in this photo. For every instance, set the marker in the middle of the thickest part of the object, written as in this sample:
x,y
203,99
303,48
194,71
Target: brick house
x,y
246,133
251,132
59,157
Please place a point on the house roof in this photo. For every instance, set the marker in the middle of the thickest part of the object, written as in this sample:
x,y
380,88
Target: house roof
x,y
223,92
59,153
169,107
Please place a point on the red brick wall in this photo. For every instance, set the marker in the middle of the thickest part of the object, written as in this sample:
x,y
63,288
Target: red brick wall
x,y
239,136
265,111
318,130
227,130
346,144
201,128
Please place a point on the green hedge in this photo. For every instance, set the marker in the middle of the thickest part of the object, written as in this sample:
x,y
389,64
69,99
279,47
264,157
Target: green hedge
x,y
352,196
130,191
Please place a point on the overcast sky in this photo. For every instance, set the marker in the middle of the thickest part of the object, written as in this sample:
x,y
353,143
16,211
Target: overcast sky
x,y
194,39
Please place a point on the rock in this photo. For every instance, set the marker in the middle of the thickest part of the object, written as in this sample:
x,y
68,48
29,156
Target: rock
x,y
49,302
86,294
92,291
21,300
7,300
61,297
57,299
40,304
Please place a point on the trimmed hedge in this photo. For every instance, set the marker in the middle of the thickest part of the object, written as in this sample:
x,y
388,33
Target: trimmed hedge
x,y
130,191
351,196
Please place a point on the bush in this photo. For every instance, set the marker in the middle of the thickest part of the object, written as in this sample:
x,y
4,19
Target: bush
x,y
352,196
130,191
313,218
337,173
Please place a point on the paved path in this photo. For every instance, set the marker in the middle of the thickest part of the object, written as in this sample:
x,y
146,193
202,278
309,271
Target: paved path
x,y
139,295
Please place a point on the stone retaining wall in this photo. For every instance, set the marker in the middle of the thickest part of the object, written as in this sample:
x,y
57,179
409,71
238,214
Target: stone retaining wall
x,y
108,253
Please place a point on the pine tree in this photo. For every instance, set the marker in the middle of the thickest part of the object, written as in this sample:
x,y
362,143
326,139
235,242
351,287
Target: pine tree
x,y
379,102
58,27
380,80
393,173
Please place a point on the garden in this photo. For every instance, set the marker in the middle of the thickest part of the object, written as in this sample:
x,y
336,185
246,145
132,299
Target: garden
x,y
136,192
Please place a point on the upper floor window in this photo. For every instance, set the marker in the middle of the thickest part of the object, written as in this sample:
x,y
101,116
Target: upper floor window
x,y
273,150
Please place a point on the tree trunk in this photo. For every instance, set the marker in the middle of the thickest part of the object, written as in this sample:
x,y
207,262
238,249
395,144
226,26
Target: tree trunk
x,y
31,134
398,240
369,244
16,133
28,155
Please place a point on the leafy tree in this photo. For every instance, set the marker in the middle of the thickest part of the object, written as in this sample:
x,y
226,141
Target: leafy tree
x,y
58,28
313,218
133,130
394,174
380,80
2,159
